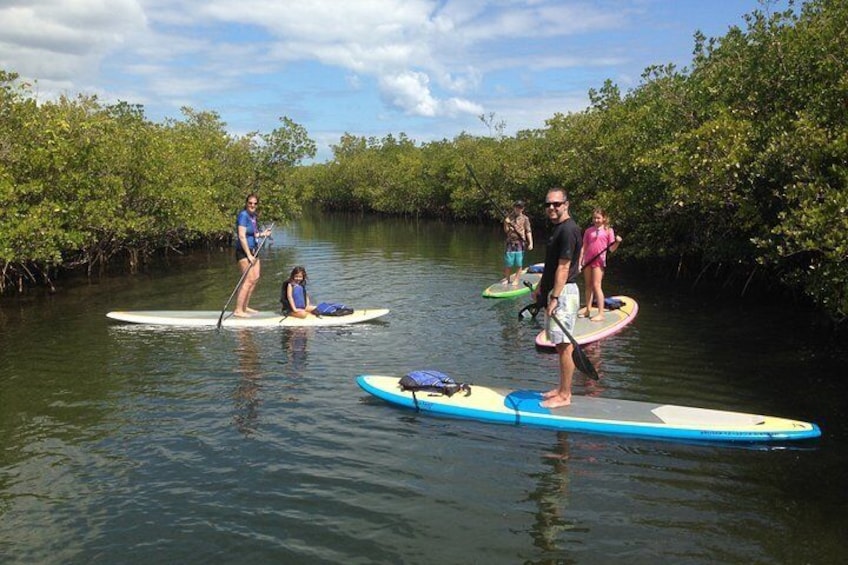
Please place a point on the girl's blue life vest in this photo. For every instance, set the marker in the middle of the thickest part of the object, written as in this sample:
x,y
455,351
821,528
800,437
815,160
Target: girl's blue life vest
x,y
298,295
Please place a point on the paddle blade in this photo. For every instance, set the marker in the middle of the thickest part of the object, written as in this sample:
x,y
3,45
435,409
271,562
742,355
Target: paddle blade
x,y
583,364
531,310
578,355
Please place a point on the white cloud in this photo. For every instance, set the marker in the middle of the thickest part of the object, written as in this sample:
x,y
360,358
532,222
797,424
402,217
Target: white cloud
x,y
454,106
359,64
57,39
422,52
409,90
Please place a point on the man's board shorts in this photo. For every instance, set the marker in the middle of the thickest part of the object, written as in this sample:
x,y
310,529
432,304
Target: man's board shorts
x,y
514,259
566,312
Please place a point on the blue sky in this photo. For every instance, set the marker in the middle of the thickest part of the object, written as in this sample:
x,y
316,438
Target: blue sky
x,y
427,68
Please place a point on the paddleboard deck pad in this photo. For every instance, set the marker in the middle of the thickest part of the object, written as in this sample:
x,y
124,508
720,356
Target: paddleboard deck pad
x,y
503,289
200,318
587,331
593,414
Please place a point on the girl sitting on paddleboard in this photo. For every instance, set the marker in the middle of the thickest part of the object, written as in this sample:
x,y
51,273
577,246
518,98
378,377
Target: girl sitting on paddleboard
x,y
597,240
294,298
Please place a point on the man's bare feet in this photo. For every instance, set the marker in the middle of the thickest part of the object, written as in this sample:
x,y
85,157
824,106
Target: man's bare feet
x,y
598,318
583,313
251,311
557,401
240,314
551,393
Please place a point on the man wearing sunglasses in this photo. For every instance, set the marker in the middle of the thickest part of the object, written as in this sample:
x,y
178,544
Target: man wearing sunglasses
x,y
558,290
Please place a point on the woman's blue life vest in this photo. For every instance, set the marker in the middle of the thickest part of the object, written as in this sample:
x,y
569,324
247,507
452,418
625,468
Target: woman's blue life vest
x,y
298,295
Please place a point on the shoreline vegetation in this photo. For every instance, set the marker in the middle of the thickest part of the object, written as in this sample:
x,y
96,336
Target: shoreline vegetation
x,y
734,168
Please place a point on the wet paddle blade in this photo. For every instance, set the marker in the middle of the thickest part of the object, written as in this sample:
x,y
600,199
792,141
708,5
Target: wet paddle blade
x,y
583,364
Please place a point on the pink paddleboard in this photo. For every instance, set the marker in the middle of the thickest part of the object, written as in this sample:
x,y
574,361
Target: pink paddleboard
x,y
587,331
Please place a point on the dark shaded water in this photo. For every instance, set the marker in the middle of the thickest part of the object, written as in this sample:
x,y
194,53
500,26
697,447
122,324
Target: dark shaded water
x,y
133,445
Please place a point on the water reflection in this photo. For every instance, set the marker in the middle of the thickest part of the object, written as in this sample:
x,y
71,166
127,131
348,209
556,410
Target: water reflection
x,y
246,396
593,353
295,355
552,498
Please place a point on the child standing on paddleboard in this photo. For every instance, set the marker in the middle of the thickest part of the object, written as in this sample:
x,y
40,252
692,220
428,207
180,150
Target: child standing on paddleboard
x,y
597,240
519,237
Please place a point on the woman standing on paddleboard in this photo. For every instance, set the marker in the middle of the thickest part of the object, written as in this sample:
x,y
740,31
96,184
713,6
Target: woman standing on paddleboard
x,y
247,231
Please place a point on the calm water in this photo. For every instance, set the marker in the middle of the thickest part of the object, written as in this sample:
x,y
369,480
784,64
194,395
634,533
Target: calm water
x,y
134,445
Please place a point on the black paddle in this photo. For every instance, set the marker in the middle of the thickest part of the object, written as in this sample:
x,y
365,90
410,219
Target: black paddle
x,y
498,208
241,280
581,361
492,201
532,309
598,254
484,191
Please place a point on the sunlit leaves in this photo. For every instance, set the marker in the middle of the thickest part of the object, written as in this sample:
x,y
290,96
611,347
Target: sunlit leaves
x,y
83,184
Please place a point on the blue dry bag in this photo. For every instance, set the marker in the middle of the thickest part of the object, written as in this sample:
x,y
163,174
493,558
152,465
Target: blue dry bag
x,y
432,381
332,309
613,303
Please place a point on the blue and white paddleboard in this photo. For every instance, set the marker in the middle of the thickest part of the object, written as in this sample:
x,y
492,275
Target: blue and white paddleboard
x,y
594,415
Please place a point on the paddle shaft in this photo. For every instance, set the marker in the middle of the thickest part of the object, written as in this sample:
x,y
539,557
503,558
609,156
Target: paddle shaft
x,y
241,280
599,253
492,201
486,192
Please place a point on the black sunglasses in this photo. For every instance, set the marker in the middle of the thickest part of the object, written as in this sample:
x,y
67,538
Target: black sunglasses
x,y
554,204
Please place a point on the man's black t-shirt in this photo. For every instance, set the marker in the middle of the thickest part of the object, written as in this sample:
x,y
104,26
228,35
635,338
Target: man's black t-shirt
x,y
565,243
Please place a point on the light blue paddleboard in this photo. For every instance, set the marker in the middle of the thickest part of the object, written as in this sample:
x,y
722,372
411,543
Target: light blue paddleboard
x,y
593,414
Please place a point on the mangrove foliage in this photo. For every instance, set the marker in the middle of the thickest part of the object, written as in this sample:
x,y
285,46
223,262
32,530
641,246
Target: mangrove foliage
x,y
735,166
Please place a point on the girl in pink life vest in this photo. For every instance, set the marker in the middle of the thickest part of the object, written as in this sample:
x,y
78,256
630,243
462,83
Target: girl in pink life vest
x,y
597,240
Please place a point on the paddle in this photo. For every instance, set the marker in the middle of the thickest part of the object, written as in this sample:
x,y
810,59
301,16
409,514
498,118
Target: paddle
x,y
532,309
581,361
241,280
484,191
599,253
500,210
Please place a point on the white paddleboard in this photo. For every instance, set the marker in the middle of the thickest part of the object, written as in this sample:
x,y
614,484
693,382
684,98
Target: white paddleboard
x,y
200,318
